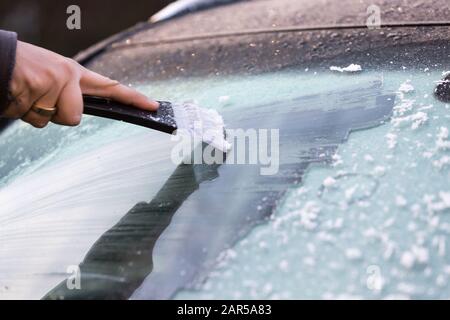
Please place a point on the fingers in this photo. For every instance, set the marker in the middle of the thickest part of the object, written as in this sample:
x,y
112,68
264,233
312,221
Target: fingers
x,y
69,105
48,100
19,105
36,120
48,80
16,109
98,85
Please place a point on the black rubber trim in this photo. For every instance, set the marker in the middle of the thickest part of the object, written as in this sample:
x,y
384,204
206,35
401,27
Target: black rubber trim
x,y
161,120
289,29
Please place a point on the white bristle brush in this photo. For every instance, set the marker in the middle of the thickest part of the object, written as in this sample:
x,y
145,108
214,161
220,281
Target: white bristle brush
x,y
206,124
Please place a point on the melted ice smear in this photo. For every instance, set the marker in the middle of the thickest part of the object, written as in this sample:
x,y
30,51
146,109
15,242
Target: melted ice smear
x,y
65,201
374,224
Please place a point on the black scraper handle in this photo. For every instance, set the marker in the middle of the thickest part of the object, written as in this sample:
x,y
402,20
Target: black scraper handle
x,y
161,120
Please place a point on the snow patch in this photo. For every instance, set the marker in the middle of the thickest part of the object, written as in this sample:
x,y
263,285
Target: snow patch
x,y
368,158
379,171
403,107
305,216
406,87
442,142
353,253
418,119
391,139
400,201
224,100
440,205
407,260
329,182
442,162
351,68
337,160
284,265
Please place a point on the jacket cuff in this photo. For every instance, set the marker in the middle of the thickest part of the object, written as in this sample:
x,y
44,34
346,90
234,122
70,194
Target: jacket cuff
x,y
8,44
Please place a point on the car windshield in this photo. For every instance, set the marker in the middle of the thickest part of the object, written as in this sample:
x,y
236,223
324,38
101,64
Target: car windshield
x,y
353,204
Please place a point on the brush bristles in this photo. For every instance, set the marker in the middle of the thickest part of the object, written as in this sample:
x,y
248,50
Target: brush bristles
x,y
206,124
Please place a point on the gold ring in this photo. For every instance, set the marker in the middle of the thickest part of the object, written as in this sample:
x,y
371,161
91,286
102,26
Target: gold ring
x,y
44,111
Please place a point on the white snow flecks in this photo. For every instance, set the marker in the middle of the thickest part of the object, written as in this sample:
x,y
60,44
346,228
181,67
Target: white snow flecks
x,y
440,243
284,265
353,253
406,288
305,216
428,107
351,68
445,197
379,171
391,139
309,261
349,193
326,237
389,249
442,162
416,255
368,158
421,254
442,142
427,154
224,99
406,87
337,160
404,107
437,206
226,257
407,259
400,201
333,224
446,269
329,182
441,280
308,215
418,119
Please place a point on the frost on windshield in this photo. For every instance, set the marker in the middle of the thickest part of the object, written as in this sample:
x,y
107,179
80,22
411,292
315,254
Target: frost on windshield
x,y
312,124
373,224
359,207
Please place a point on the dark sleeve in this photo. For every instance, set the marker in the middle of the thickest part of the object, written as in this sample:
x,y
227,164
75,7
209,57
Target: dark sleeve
x,y
8,43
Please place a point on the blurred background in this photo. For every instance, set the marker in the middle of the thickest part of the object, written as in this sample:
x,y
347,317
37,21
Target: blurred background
x,y
43,22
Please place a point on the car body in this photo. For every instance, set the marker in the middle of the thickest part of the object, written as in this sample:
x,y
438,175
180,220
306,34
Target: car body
x,y
358,207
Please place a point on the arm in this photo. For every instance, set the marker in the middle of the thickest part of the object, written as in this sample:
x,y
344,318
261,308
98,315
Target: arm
x,y
8,42
43,78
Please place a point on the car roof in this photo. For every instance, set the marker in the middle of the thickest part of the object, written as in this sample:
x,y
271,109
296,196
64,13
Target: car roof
x,y
256,16
274,14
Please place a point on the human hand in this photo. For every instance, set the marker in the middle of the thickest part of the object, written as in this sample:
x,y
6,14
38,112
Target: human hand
x,y
44,79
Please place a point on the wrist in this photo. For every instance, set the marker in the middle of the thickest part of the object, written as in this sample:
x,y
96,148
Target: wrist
x,y
8,45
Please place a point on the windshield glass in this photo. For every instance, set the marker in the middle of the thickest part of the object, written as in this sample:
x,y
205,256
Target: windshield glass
x,y
353,204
